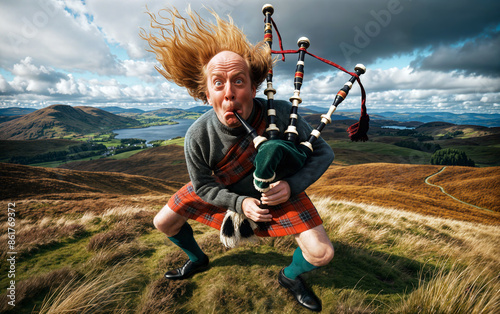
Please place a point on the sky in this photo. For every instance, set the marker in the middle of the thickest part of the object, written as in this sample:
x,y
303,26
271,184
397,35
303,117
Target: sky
x,y
421,56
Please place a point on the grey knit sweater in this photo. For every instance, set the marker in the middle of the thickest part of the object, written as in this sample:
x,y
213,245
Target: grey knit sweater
x,y
208,141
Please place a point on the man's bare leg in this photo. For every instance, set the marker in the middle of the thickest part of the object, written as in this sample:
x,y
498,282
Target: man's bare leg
x,y
180,233
315,250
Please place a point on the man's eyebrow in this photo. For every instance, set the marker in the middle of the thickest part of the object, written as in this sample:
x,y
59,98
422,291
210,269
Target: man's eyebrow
x,y
223,74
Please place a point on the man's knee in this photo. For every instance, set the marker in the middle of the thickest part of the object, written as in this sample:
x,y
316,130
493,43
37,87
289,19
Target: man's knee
x,y
327,256
316,246
321,256
157,221
168,221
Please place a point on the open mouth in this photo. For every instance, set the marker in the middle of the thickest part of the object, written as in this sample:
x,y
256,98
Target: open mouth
x,y
230,114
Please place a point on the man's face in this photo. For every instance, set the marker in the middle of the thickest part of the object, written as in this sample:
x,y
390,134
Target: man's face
x,y
229,87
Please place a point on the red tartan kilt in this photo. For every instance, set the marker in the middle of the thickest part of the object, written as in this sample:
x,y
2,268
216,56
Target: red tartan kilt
x,y
296,215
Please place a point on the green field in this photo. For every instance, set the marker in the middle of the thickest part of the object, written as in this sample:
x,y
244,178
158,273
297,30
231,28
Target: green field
x,y
386,261
483,156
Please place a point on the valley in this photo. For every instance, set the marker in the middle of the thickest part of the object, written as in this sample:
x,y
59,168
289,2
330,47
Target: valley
x,y
84,227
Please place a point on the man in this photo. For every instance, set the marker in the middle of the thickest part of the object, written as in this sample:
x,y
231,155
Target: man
x,y
218,66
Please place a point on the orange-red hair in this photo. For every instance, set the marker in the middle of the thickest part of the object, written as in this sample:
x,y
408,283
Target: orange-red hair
x,y
185,45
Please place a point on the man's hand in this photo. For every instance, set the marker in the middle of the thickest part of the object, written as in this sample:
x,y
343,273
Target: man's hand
x,y
279,193
252,210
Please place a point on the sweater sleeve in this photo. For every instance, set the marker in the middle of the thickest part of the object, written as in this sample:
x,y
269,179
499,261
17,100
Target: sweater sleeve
x,y
197,148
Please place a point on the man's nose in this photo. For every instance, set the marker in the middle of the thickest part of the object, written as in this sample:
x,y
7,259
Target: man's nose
x,y
229,95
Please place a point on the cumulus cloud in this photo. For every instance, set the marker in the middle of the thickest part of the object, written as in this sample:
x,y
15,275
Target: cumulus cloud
x,y
120,21
90,52
40,84
48,33
396,89
30,78
145,70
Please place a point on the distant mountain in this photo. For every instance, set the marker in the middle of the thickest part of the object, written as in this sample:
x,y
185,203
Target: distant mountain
x,y
15,111
489,120
61,120
117,110
7,114
167,112
200,109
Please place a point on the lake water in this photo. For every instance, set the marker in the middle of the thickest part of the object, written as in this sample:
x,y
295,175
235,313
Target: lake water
x,y
397,127
160,132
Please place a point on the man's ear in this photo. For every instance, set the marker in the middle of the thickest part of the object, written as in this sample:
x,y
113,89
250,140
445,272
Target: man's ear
x,y
254,91
207,94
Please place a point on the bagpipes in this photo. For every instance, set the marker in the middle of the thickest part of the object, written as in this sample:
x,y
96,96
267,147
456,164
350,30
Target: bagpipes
x,y
272,150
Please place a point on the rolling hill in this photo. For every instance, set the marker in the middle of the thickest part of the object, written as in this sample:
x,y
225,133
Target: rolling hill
x,y
402,186
86,240
40,191
61,120
164,162
398,186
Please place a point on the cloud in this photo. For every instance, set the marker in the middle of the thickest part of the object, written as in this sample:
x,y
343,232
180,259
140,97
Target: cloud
x,y
90,52
397,89
145,70
30,78
120,21
44,85
476,56
49,34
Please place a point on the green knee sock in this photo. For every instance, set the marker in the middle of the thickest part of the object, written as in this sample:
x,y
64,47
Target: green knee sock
x,y
298,266
185,240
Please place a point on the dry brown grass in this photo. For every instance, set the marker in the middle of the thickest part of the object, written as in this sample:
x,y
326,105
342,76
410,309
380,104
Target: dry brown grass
x,y
164,162
467,290
109,239
104,292
38,286
403,187
161,296
31,237
478,186
25,182
410,234
116,253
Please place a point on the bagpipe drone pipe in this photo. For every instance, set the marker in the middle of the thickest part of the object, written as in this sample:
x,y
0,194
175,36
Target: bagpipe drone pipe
x,y
273,151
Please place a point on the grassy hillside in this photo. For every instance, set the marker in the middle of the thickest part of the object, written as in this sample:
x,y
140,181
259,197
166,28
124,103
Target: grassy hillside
x,y
478,142
403,186
164,162
387,261
13,148
85,242
385,184
44,191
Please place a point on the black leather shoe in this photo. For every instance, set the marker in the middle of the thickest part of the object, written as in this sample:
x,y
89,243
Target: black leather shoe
x,y
302,293
188,269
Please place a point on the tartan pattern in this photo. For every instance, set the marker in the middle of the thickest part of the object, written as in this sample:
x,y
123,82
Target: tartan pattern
x,y
296,215
238,162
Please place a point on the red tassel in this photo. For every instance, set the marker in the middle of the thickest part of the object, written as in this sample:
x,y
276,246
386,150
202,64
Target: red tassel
x,y
359,130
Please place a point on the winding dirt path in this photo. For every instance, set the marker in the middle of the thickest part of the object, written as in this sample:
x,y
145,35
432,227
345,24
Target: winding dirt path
x,y
442,190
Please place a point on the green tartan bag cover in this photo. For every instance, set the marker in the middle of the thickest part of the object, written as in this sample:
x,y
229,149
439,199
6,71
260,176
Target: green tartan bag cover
x,y
277,154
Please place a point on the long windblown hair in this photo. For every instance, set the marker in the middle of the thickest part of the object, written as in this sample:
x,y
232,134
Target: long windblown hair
x,y
185,45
